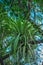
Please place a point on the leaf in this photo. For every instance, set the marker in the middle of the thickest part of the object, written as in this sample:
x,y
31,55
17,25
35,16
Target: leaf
x,y
16,43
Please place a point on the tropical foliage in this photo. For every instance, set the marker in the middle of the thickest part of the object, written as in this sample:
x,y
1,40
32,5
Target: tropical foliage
x,y
18,30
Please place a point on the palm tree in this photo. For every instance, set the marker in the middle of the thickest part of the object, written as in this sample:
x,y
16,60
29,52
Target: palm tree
x,y
19,35
22,36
